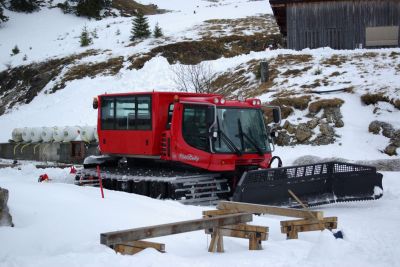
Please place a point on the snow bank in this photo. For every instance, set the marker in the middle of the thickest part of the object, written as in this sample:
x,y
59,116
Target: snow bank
x,y
58,224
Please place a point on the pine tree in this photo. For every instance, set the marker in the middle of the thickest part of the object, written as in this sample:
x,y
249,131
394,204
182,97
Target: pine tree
x,y
157,32
15,50
89,8
140,27
24,5
85,38
3,18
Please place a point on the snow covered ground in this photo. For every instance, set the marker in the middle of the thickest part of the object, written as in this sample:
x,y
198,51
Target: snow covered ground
x,y
39,39
59,224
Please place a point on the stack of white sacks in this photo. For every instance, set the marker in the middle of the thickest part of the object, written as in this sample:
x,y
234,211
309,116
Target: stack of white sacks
x,y
55,134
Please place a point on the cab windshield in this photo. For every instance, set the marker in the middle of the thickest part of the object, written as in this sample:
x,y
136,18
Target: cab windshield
x,y
240,130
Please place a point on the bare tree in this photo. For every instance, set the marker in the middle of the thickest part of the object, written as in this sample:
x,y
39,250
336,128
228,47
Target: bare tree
x,y
193,78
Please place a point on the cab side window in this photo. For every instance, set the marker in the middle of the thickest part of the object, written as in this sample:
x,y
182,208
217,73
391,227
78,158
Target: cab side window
x,y
126,113
195,126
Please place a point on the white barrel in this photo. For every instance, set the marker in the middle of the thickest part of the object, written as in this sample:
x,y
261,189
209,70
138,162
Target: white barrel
x,y
47,134
87,133
17,135
96,135
71,133
58,134
36,134
26,134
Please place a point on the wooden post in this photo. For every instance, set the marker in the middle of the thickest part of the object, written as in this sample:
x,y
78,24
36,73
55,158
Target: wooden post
x,y
216,241
100,181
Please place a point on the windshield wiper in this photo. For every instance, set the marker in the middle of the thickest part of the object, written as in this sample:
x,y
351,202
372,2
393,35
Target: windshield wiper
x,y
227,140
251,140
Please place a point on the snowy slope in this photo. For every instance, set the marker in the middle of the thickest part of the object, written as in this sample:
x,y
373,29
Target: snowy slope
x,y
58,224
50,33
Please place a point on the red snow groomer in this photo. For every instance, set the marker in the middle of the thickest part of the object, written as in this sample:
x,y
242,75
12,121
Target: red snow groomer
x,y
199,148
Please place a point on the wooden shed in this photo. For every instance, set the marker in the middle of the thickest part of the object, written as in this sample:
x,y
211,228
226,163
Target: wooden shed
x,y
339,24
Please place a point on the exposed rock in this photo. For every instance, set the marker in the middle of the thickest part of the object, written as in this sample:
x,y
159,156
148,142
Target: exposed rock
x,y
374,127
395,140
326,129
303,133
327,135
283,139
391,150
5,217
313,123
289,127
333,115
387,129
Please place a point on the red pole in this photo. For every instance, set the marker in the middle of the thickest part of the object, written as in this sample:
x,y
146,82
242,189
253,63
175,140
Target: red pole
x,y
100,181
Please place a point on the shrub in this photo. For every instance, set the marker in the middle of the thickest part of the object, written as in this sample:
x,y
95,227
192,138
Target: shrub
x,y
15,50
157,32
369,99
85,38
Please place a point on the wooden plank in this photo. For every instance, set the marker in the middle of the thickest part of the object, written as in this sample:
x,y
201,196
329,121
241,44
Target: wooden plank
x,y
308,227
306,222
126,250
217,212
242,234
247,227
265,209
242,227
292,228
146,244
133,247
120,237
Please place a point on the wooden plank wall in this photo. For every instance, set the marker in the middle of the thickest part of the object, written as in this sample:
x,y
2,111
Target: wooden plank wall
x,y
337,24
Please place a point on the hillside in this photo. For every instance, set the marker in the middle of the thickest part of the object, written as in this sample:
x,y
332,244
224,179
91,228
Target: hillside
x,y
230,38
335,104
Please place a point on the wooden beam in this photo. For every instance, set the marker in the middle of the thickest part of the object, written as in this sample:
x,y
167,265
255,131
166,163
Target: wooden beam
x,y
293,227
265,209
306,222
133,247
210,213
120,237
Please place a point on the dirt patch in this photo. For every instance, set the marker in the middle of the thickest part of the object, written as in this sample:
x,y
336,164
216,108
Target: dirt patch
x,y
335,60
110,67
261,24
296,102
369,99
288,59
394,55
372,99
316,106
131,8
295,72
22,84
194,52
